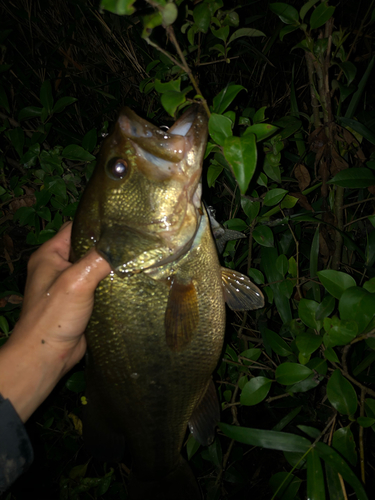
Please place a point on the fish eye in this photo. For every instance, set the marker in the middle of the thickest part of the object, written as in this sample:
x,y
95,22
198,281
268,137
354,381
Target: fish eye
x,y
117,168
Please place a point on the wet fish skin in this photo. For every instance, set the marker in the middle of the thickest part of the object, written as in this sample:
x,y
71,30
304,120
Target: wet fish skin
x,y
146,374
157,329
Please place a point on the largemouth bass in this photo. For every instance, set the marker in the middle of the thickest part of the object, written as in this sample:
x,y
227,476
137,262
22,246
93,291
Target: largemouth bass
x,y
157,329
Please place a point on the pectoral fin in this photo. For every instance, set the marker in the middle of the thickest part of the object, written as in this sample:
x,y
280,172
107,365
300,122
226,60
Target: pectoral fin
x,y
181,316
239,292
205,417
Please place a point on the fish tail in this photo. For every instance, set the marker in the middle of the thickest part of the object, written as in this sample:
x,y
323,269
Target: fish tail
x,y
180,484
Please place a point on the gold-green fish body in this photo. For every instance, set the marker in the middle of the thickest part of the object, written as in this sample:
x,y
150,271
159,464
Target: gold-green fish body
x,y
157,328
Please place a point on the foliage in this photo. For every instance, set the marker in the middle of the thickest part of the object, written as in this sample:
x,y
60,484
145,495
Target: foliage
x,y
300,184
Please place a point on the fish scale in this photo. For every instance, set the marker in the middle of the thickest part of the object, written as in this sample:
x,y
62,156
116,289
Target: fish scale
x,y
157,328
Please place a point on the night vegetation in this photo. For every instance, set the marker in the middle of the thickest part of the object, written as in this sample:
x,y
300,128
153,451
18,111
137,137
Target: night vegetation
x,y
290,163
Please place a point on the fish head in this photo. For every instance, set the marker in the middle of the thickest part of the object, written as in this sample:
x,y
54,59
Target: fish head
x,y
147,190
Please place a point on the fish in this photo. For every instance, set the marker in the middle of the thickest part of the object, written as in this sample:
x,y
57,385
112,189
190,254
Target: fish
x,y
157,328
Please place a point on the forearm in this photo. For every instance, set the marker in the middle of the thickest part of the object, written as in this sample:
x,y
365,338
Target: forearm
x,y
29,370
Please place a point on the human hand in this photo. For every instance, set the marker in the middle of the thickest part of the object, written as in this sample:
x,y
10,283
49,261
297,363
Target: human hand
x,y
48,339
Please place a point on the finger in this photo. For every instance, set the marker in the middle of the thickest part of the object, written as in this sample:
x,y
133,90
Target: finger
x,y
54,253
82,277
48,261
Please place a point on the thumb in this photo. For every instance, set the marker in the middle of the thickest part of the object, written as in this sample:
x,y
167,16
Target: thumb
x,y
85,274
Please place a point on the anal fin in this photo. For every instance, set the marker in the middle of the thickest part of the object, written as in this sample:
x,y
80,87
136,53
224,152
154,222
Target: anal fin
x,y
205,417
181,316
240,293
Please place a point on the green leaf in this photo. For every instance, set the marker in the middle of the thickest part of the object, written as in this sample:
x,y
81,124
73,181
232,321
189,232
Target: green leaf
x,y
341,467
307,312
277,344
224,98
357,97
315,478
255,391
17,138
46,97
333,484
325,308
343,442
286,485
44,213
216,454
308,343
264,236
360,129
287,13
202,17
274,196
245,32
213,173
90,140
171,86
310,431
354,178
219,127
287,419
77,153
29,159
261,130
330,354
119,7
266,439
241,153
336,282
365,421
221,33
341,394
339,332
356,304
291,373
192,446
306,7
349,70
76,382
62,103
282,264
29,112
257,276
259,115
78,471
321,15
49,161
289,201
26,216
251,208
289,28
4,326
172,100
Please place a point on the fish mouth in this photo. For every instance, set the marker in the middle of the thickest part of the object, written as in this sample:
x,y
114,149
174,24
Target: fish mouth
x,y
171,151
